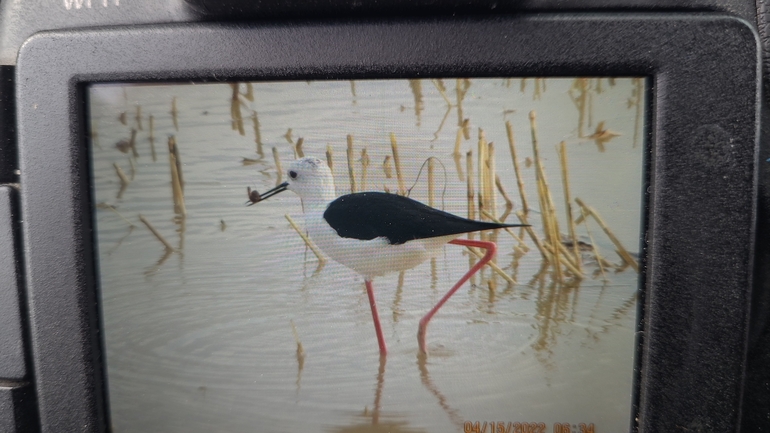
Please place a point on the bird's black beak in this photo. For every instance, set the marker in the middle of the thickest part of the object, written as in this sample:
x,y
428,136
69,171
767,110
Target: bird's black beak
x,y
255,197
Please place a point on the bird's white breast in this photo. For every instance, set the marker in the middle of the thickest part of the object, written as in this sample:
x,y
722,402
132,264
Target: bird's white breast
x,y
373,257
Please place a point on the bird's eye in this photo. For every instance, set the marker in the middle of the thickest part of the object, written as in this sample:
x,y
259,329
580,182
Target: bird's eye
x,y
293,174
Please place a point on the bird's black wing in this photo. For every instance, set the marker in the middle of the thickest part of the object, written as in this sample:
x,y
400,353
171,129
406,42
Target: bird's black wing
x,y
369,215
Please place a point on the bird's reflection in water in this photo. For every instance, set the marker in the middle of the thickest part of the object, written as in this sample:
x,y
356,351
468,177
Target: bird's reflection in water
x,y
454,416
373,421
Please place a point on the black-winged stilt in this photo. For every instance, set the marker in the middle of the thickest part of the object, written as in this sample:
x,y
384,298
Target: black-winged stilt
x,y
375,233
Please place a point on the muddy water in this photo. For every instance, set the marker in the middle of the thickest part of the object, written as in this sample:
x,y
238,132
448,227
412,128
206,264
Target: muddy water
x,y
201,339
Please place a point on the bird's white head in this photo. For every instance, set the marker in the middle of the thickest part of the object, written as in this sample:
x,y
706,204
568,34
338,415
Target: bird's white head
x,y
310,178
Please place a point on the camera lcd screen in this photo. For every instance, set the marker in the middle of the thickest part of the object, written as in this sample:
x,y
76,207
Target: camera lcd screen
x,y
220,312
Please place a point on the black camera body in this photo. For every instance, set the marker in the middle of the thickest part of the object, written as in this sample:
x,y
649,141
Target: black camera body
x,y
703,339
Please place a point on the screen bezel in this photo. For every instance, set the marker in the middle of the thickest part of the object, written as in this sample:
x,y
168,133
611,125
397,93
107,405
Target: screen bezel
x,y
701,131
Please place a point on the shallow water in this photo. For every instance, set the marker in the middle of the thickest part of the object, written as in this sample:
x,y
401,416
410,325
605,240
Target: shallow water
x,y
201,339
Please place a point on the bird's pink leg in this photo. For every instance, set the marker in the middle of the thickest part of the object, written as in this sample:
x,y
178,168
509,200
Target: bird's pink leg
x,y
376,318
491,248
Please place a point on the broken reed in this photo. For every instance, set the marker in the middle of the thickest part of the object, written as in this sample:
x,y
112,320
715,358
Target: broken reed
x,y
330,158
156,233
235,110
387,167
121,175
397,162
351,169
257,133
508,201
471,202
298,148
307,240
138,117
132,143
177,185
516,170
568,202
622,252
431,203
598,257
547,208
152,138
277,166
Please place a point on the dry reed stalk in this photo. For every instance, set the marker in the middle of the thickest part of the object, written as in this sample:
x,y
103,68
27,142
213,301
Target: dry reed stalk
x,y
156,233
364,166
466,126
582,105
507,229
133,168
599,258
257,133
176,182
152,138
541,187
330,163
138,118
235,110
174,113
307,240
387,167
112,208
300,349
482,149
567,263
95,135
471,189
277,166
536,94
535,239
330,158
508,201
458,141
490,178
555,233
548,214
622,252
568,201
492,265
121,175
431,183
517,171
442,91
471,201
132,143
416,86
249,95
178,160
298,148
397,162
351,168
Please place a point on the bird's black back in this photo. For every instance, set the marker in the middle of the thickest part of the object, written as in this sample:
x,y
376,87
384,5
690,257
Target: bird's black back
x,y
369,215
